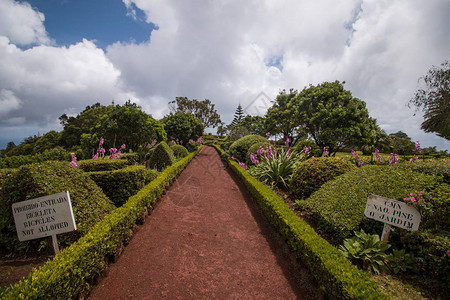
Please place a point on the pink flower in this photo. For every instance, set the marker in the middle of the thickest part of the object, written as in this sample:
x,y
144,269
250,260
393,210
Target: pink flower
x,y
413,199
267,134
243,165
411,194
405,199
233,158
286,143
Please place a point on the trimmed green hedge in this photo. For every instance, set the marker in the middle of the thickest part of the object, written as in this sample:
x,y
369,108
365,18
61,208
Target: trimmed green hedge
x,y
179,151
339,205
162,157
337,276
439,167
69,274
239,148
121,184
89,203
102,164
20,160
313,173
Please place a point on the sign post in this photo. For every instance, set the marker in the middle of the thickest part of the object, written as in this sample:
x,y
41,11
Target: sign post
x,y
45,216
392,213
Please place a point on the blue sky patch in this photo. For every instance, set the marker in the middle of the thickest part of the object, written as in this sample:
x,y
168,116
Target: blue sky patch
x,y
105,21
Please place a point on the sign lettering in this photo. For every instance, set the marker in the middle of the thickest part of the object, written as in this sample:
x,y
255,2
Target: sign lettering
x,y
44,216
392,212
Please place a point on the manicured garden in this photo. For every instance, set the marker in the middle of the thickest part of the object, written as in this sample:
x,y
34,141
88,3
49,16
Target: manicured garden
x,y
330,193
109,194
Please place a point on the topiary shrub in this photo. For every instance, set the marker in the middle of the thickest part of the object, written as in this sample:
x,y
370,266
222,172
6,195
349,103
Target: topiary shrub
x,y
102,164
179,151
313,173
121,184
339,205
162,157
439,167
239,148
89,203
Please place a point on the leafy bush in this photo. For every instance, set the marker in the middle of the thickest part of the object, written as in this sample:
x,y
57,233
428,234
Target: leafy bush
x,y
162,157
313,173
239,148
336,275
275,167
102,164
431,251
119,185
367,251
179,151
339,205
89,203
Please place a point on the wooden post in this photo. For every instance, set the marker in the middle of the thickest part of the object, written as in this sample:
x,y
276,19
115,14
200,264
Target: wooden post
x,y
385,234
55,244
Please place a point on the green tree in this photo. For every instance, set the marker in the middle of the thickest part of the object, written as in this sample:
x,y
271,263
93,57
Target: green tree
x,y
182,126
128,125
46,142
238,116
401,143
204,110
84,122
333,117
434,100
9,147
254,124
282,117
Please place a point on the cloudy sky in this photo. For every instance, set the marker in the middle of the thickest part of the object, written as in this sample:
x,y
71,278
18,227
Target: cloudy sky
x,y
58,56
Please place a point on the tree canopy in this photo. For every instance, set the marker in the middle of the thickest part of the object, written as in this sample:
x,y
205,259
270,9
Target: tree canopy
x,y
204,110
282,117
434,100
182,126
333,117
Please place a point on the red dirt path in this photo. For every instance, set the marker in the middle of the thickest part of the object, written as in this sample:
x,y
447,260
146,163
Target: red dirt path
x,y
204,239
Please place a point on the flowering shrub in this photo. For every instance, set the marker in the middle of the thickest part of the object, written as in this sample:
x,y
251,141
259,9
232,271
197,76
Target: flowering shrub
x,y
416,152
393,160
275,167
358,162
74,160
113,152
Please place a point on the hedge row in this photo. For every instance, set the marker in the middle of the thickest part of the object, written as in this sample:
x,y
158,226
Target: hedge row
x,y
71,272
20,160
121,184
100,164
337,276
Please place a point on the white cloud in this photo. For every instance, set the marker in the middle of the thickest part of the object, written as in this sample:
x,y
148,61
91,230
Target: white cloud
x,y
21,24
230,51
8,102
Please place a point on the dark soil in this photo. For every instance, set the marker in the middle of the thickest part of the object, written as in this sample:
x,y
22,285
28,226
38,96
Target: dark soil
x,y
14,268
206,239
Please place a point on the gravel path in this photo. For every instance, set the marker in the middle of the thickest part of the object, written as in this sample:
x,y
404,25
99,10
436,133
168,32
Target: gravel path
x,y
205,239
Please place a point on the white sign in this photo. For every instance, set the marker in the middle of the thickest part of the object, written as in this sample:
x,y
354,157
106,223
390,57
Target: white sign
x,y
392,212
44,216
